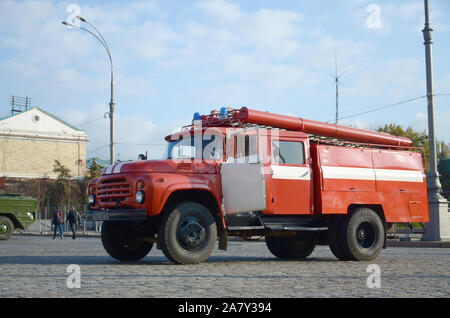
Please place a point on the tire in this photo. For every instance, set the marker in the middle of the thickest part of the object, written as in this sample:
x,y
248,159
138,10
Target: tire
x,y
336,239
363,235
6,228
121,244
294,248
187,233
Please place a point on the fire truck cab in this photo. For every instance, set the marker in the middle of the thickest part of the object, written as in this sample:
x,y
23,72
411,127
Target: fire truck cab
x,y
246,173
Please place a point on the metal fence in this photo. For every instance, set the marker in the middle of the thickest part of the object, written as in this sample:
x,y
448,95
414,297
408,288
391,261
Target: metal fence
x,y
43,223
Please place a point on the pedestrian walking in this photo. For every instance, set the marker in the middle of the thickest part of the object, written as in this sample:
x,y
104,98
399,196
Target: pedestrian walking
x,y
57,222
73,218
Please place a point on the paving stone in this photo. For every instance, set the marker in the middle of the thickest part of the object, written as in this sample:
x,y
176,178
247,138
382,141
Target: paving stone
x,y
33,266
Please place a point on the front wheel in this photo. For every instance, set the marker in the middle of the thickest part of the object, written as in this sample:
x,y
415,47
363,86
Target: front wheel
x,y
187,233
290,247
121,244
6,228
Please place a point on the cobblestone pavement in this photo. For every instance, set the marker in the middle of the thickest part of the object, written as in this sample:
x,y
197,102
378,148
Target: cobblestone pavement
x,y
36,267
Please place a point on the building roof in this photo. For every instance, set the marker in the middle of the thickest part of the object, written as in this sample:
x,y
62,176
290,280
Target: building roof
x,y
45,112
38,122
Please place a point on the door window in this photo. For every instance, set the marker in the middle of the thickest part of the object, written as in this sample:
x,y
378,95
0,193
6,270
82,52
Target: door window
x,y
288,152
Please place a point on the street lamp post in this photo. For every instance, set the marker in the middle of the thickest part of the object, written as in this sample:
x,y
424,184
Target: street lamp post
x,y
112,105
439,226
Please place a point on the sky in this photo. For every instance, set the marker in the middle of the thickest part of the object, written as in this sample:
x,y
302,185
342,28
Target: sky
x,y
174,58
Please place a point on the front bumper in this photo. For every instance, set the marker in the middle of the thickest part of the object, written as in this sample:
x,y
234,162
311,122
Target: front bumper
x,y
116,215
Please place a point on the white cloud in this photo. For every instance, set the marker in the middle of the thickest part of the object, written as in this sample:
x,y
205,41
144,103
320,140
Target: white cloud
x,y
321,53
134,134
150,40
393,78
442,127
221,11
208,52
279,38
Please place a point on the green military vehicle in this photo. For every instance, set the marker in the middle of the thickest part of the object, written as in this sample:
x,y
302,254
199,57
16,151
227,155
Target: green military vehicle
x,y
16,212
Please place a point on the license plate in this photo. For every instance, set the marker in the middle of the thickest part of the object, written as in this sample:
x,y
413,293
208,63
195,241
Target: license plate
x,y
100,216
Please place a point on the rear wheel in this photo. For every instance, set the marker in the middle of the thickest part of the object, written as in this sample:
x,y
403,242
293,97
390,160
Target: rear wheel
x,y
290,247
121,244
336,239
187,233
363,235
6,228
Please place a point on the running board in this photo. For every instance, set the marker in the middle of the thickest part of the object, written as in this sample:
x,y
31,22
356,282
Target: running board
x,y
259,222
293,223
281,227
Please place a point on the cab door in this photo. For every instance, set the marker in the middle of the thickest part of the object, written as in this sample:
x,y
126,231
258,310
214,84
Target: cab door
x,y
242,174
291,177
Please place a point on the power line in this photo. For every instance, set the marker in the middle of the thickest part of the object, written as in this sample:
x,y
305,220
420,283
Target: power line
x,y
372,107
131,144
377,108
394,104
90,122
98,148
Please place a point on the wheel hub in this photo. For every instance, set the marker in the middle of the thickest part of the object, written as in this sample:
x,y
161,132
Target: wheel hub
x,y
191,234
365,235
362,235
3,228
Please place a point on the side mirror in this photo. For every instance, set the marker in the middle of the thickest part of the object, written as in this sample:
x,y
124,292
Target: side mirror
x,y
142,157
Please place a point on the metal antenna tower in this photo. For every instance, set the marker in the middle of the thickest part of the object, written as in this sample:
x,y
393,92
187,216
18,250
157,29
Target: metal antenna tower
x,y
19,104
336,77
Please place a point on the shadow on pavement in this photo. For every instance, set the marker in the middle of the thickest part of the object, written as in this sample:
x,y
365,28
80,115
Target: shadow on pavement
x,y
149,260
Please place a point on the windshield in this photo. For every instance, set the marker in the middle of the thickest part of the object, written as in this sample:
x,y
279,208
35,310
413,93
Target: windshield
x,y
200,148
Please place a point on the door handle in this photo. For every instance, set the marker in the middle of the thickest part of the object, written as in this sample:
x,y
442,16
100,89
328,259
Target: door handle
x,y
305,174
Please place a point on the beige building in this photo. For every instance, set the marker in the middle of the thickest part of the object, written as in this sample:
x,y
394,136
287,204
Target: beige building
x,y
31,141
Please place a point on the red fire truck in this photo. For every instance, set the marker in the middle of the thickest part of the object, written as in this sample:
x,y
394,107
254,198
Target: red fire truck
x,y
241,172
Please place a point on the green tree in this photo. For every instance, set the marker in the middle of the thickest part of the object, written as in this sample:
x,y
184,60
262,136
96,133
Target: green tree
x,y
95,169
443,150
64,187
419,139
444,168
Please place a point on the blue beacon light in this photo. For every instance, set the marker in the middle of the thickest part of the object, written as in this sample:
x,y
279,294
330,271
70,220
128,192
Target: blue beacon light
x,y
197,116
223,113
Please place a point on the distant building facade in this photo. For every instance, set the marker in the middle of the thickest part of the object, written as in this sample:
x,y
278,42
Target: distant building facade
x,y
31,141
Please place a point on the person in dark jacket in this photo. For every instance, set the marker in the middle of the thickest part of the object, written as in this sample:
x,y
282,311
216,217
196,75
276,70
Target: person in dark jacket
x,y
57,222
73,218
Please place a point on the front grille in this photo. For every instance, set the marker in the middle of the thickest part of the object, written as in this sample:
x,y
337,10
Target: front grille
x,y
113,190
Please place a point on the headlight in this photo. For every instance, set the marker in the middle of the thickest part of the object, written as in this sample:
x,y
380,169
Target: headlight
x,y
140,197
91,199
30,215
